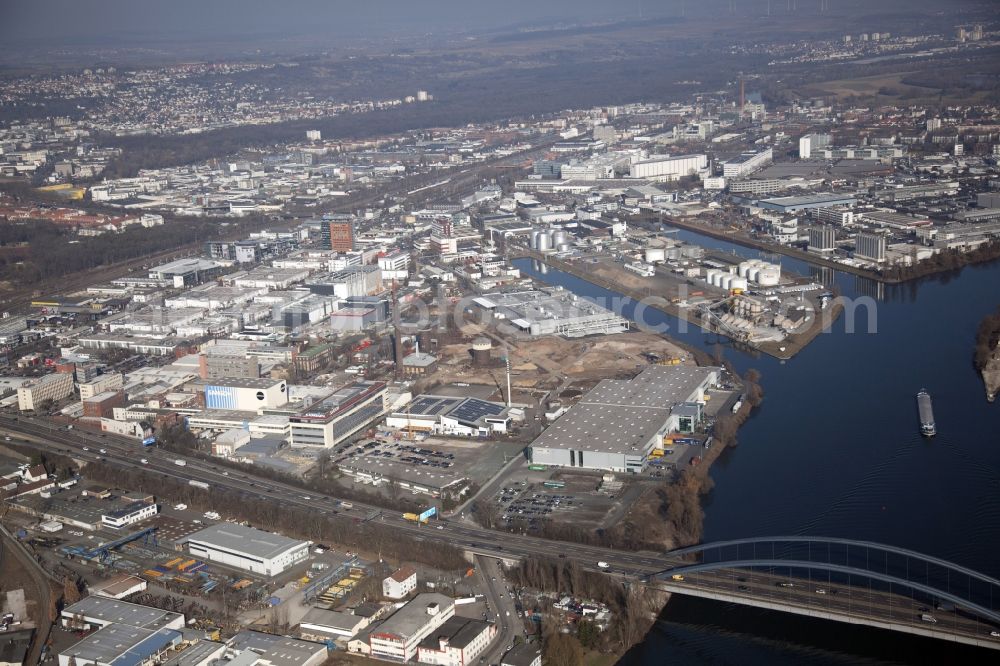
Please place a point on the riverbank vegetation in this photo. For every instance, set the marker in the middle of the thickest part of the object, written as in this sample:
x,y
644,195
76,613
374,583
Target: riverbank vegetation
x,y
942,262
986,357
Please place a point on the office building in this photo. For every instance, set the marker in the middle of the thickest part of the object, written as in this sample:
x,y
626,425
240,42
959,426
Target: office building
x,y
34,394
246,548
129,514
870,246
618,423
101,384
338,234
811,142
215,365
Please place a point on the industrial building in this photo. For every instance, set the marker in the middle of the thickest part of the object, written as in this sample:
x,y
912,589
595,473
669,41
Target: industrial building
x,y
95,612
129,514
53,387
457,642
398,637
245,394
550,312
255,647
822,239
870,246
805,202
450,415
320,624
330,420
246,548
745,164
669,167
618,423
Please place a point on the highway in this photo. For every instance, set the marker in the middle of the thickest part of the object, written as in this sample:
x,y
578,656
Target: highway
x,y
739,586
501,609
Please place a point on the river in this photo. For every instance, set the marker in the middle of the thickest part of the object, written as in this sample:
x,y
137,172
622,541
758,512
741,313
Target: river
x,y
835,451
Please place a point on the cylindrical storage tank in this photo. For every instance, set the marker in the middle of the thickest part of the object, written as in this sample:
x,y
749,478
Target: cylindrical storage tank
x,y
717,279
534,239
655,254
482,350
564,247
768,277
544,241
672,253
753,274
738,283
744,269
727,281
710,275
560,237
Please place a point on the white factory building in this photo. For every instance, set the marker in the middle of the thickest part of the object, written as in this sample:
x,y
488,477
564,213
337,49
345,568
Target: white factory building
x,y
618,423
47,387
397,638
245,394
246,548
552,311
669,167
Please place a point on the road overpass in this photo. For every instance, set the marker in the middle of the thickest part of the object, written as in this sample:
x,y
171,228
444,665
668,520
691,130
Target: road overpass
x,y
773,574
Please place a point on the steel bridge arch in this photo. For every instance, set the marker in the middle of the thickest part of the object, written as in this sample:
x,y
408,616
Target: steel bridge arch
x,y
929,559
982,611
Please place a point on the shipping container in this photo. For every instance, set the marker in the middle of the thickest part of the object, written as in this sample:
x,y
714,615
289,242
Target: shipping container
x,y
537,468
554,484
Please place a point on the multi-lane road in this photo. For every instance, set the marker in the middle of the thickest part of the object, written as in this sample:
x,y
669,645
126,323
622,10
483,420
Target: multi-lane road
x,y
749,586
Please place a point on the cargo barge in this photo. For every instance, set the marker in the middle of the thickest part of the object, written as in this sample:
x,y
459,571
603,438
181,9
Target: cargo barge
x,y
927,426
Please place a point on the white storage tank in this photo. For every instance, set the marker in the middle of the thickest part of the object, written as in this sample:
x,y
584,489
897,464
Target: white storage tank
x,y
564,247
710,275
654,254
534,238
559,238
753,274
727,281
739,283
744,268
544,241
769,276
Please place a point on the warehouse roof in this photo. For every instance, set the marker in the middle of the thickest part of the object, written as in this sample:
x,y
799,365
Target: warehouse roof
x,y
243,539
618,416
408,620
105,610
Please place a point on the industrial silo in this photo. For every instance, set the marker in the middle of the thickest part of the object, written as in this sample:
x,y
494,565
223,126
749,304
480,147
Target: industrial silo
x,y
544,241
482,350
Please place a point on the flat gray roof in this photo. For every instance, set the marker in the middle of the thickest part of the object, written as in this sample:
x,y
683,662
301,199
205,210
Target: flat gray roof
x,y
243,539
109,643
278,650
617,416
410,618
460,632
196,654
120,612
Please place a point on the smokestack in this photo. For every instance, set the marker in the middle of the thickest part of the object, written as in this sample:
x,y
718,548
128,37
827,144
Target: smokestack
x,y
743,98
397,342
507,363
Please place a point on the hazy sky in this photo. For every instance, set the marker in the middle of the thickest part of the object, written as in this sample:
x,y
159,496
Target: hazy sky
x,y
92,20
52,23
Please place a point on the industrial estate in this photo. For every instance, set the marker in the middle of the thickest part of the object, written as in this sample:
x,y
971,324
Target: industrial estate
x,y
416,395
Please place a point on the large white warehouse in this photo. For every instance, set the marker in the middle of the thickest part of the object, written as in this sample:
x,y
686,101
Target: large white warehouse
x,y
246,548
617,423
669,167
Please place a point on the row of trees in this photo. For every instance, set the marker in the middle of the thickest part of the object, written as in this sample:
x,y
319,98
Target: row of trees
x,y
632,607
37,250
372,537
